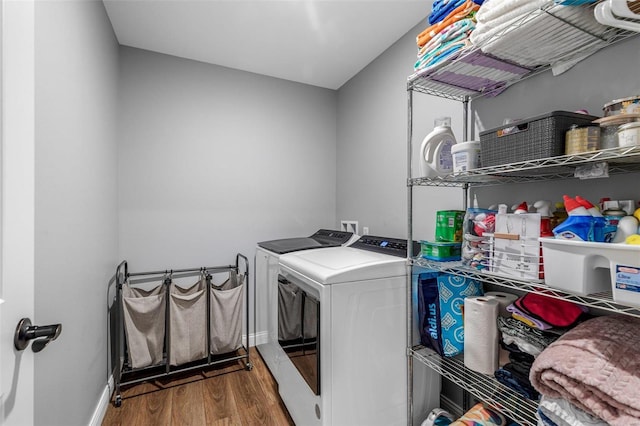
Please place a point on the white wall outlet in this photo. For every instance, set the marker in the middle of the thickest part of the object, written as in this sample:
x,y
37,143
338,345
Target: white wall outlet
x,y
365,230
349,226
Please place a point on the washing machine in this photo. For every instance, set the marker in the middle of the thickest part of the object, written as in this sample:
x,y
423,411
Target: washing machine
x,y
342,322
266,285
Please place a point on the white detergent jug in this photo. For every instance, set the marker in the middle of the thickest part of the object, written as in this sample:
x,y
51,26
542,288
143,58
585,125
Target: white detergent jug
x,y
435,151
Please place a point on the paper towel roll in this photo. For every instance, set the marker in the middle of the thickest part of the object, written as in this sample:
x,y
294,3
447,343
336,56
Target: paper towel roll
x,y
504,299
481,334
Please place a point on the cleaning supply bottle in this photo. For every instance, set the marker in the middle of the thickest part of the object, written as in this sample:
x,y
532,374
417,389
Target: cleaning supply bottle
x,y
435,151
580,225
543,207
600,230
520,208
593,210
559,215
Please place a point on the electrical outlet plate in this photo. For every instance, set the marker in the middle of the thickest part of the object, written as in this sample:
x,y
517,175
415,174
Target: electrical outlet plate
x,y
349,226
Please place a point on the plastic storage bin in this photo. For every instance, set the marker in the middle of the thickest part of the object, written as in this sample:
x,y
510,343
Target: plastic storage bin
x,y
466,156
440,251
529,139
586,267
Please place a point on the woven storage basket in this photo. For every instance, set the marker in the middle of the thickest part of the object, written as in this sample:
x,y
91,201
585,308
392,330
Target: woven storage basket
x,y
529,139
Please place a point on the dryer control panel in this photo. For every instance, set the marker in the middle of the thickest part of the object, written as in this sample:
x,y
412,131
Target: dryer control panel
x,y
390,246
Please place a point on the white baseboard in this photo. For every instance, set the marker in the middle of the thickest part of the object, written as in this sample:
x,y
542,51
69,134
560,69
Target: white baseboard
x,y
260,337
103,403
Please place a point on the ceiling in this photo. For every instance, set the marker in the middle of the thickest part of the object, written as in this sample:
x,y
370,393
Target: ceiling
x,y
318,42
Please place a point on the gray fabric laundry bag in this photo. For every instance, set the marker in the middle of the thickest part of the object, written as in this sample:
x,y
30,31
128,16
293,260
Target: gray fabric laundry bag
x,y
144,324
289,311
310,319
188,323
226,315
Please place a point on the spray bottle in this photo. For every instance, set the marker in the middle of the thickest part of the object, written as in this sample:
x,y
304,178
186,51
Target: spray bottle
x,y
543,207
599,223
435,151
520,208
580,225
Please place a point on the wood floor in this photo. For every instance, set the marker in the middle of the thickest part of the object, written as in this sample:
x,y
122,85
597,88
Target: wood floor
x,y
229,395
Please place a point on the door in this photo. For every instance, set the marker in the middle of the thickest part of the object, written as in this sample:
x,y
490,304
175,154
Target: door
x,y
17,207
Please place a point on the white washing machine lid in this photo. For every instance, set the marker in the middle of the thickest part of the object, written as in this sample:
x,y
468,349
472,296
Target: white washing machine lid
x,y
343,264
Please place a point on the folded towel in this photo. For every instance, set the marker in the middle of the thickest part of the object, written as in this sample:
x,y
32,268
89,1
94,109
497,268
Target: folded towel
x,y
452,32
480,415
529,320
562,413
517,35
514,379
543,420
529,340
497,12
595,367
552,311
441,8
448,50
461,12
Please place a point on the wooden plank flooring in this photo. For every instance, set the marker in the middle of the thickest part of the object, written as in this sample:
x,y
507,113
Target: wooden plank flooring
x,y
227,395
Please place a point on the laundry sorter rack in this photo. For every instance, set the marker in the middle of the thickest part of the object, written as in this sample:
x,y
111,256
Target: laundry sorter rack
x,y
166,298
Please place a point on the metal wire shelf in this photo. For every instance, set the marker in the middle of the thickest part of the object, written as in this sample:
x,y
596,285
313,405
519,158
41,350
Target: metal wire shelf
x,y
482,386
603,300
620,160
546,25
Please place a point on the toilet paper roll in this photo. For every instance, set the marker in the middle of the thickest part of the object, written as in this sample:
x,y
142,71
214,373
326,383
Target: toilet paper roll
x,y
481,334
504,299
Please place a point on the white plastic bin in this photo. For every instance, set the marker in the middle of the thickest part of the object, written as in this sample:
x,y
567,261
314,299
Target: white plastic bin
x,y
582,267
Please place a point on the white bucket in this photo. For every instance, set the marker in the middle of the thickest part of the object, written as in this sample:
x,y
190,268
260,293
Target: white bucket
x,y
466,156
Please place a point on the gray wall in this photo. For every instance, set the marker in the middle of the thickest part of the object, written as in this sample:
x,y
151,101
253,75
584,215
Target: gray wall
x,y
372,126
590,84
213,160
76,64
372,146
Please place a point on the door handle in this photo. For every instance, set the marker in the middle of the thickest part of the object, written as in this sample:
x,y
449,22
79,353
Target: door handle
x,y
43,335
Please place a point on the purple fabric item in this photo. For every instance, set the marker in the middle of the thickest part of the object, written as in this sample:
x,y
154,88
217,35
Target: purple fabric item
x,y
484,60
541,325
478,84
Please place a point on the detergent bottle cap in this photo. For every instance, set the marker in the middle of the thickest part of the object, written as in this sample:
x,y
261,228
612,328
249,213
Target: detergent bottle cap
x,y
442,122
521,208
574,208
543,207
593,210
502,208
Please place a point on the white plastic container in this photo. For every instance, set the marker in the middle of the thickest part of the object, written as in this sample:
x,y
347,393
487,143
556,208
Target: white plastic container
x,y
466,156
435,151
582,267
629,134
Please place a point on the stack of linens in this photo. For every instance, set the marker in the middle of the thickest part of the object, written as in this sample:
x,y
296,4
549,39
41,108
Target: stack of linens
x,y
594,367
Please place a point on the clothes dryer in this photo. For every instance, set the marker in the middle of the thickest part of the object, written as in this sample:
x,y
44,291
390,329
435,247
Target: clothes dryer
x,y
345,311
266,284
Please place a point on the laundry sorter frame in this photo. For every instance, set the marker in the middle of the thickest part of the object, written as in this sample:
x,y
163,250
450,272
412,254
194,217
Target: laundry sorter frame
x,y
121,367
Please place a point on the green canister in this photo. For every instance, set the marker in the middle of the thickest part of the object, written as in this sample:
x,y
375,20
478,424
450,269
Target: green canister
x,y
449,225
